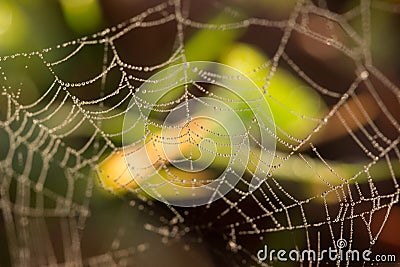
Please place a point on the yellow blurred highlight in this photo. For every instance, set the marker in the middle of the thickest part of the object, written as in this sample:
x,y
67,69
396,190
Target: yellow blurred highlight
x,y
5,17
115,176
83,16
13,26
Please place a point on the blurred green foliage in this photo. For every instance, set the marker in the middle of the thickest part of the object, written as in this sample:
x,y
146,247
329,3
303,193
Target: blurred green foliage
x,y
34,25
83,16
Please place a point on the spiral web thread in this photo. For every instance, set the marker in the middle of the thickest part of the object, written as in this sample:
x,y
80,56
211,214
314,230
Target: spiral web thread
x,y
40,133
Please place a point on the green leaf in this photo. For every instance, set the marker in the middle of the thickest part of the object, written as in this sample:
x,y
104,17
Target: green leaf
x,y
291,101
83,16
209,44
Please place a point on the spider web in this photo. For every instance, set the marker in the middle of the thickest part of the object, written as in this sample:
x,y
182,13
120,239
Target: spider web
x,y
53,206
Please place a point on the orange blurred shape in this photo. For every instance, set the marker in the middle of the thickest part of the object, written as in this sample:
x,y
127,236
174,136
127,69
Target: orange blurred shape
x,y
114,174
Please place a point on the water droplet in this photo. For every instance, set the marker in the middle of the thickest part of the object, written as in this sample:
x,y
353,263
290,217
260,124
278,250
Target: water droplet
x,y
115,245
142,247
233,246
364,75
39,187
24,221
